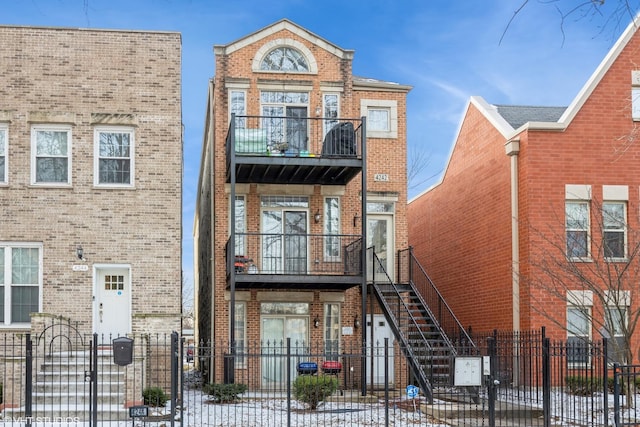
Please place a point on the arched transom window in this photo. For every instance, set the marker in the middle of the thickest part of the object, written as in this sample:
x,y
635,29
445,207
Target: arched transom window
x,y
284,58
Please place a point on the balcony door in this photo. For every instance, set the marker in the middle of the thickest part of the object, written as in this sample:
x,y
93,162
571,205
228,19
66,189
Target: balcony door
x,y
284,245
380,237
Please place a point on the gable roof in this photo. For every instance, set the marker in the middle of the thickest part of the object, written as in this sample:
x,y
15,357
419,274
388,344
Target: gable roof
x,y
284,24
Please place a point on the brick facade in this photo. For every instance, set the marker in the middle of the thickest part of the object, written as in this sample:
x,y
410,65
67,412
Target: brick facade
x,y
461,229
234,69
84,79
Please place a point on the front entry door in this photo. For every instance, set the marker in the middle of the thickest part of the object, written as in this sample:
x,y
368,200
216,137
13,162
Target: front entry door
x,y
380,237
375,354
112,306
275,331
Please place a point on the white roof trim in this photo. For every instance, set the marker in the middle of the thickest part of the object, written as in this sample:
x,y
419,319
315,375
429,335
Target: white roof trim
x,y
279,26
600,72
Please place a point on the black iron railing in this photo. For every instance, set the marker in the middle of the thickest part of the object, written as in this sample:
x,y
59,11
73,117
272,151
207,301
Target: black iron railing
x,y
299,254
294,136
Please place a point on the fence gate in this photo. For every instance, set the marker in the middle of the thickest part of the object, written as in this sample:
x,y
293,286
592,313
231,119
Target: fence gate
x,y
626,379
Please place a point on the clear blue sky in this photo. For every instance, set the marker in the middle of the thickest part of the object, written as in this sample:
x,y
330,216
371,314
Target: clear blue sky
x,y
448,50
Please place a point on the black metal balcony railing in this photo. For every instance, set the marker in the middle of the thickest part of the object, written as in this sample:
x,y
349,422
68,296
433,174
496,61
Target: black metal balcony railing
x,y
296,254
294,137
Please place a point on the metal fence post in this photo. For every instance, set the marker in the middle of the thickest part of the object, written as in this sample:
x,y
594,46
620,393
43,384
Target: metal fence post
x,y
605,383
491,387
174,375
288,377
28,389
386,382
93,366
546,382
616,394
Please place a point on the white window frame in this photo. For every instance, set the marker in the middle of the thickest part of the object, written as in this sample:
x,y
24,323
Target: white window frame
x,y
329,238
330,111
241,335
241,219
240,123
96,156
4,151
570,228
367,105
331,321
8,248
580,302
34,155
622,229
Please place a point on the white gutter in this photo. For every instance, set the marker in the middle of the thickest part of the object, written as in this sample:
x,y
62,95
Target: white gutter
x,y
512,148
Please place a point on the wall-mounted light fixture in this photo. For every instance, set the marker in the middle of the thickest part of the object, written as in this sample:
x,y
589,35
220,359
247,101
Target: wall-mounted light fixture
x,y
356,218
318,111
80,253
316,322
317,216
356,322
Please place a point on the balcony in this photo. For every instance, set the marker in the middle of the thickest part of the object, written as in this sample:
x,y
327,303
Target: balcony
x,y
294,150
295,261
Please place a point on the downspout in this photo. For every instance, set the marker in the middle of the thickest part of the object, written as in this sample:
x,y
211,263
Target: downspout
x,y
512,149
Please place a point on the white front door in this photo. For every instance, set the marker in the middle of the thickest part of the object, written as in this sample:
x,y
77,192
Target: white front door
x,y
375,354
380,236
112,305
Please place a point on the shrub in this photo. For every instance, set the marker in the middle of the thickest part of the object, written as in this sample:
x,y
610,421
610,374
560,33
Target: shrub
x,y
154,396
583,386
312,389
224,393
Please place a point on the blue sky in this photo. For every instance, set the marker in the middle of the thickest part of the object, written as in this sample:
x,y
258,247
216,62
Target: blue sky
x,y
447,50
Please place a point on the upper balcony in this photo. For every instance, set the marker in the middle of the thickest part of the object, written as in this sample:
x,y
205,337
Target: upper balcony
x,y
295,261
294,150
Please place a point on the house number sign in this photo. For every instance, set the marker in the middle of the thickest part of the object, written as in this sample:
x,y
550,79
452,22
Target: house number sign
x,y
382,177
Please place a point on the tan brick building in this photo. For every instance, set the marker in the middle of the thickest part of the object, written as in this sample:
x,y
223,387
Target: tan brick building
x,y
532,198
285,138
90,179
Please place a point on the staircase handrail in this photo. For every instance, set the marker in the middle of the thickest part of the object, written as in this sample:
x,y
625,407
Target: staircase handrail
x,y
445,317
422,377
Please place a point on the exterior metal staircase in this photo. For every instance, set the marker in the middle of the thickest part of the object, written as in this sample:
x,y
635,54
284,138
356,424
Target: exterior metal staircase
x,y
429,333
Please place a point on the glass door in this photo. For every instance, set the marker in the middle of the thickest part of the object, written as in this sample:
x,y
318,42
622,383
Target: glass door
x,y
275,331
284,247
297,129
380,236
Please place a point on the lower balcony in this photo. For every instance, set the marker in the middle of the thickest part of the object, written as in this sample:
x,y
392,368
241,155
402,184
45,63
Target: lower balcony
x,y
295,261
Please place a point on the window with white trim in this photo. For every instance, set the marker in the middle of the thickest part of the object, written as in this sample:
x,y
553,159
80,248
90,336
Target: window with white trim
x,y
238,107
331,229
284,58
240,226
330,111
578,334
3,154
616,323
50,154
382,117
614,236
240,325
577,229
114,156
20,282
332,330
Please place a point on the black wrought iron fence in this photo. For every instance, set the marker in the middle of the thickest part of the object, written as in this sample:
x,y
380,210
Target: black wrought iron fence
x,y
524,379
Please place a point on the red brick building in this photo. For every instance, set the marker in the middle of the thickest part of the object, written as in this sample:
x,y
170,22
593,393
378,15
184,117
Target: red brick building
x,y
533,197
285,139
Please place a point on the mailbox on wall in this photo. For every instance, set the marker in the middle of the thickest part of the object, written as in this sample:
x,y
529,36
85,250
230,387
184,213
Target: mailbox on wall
x,y
122,351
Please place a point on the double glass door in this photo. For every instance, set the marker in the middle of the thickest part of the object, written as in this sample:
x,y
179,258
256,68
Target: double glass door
x,y
284,247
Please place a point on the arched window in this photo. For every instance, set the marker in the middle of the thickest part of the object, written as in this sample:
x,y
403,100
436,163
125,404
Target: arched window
x,y
284,59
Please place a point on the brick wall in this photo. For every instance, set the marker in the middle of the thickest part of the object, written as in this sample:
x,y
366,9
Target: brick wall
x,y
80,78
